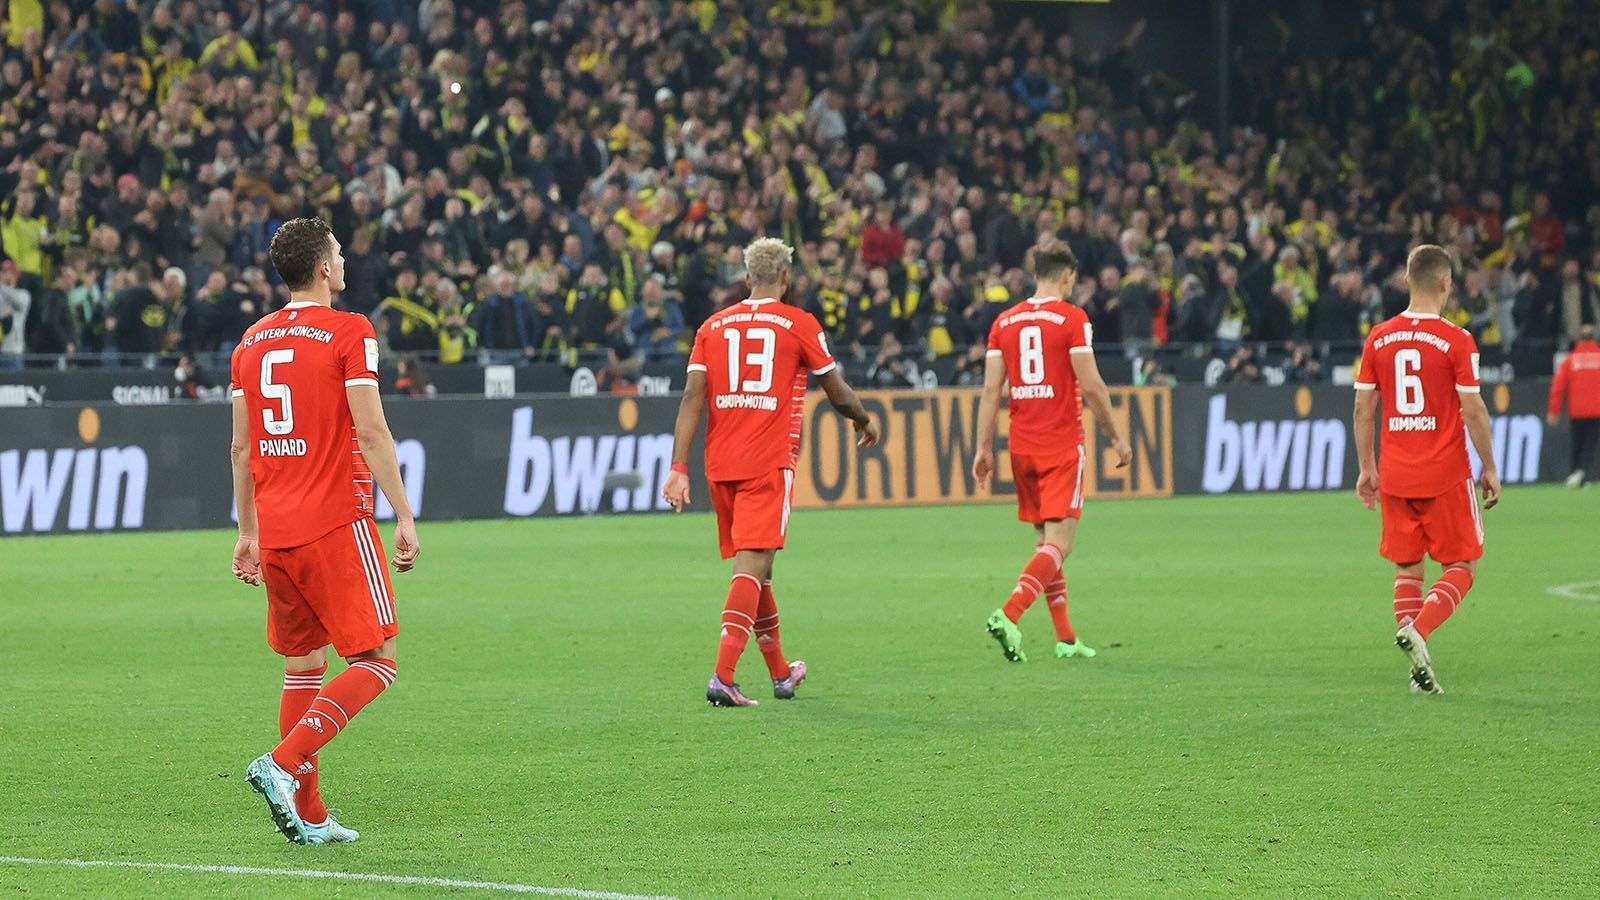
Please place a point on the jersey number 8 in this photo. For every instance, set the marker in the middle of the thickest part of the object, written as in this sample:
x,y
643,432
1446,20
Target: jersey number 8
x,y
1032,353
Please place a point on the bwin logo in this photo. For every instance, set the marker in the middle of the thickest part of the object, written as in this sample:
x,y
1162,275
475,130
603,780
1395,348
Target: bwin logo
x,y
34,485
579,472
1267,456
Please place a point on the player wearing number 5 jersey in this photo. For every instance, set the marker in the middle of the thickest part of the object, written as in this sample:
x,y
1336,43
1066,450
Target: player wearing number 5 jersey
x,y
749,365
309,441
1044,349
1424,372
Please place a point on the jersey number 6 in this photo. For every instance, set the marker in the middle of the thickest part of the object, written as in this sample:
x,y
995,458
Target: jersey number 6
x,y
1408,399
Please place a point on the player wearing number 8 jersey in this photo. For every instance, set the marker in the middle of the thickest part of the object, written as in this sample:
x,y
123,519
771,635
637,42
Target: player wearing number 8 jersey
x,y
749,364
309,441
1044,349
1424,372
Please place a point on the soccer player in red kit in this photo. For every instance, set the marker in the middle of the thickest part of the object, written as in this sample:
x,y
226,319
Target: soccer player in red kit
x,y
750,363
1044,347
309,440
1424,372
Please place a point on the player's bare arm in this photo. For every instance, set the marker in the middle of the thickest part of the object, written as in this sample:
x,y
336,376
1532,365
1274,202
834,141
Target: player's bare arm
x,y
845,403
247,551
377,447
1476,416
1364,424
994,381
1097,397
690,408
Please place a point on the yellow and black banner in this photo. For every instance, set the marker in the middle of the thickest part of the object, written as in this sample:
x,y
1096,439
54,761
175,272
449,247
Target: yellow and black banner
x,y
929,437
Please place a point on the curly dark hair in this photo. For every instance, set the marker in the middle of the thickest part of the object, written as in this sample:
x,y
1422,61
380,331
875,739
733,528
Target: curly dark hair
x,y
298,247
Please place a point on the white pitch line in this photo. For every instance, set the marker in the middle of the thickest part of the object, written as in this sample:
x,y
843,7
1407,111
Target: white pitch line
x,y
1575,590
341,876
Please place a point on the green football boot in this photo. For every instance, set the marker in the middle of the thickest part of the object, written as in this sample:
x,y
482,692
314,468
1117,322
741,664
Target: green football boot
x,y
1066,649
1008,634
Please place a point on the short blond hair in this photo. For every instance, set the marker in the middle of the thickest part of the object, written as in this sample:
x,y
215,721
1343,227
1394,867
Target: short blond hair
x,y
766,259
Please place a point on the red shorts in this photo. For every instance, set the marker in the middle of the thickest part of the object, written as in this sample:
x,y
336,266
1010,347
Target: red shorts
x,y
753,514
334,590
1448,527
1048,488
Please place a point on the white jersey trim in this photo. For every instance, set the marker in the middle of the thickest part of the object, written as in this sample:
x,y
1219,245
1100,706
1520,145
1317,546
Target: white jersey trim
x,y
358,382
825,369
1364,386
1469,389
696,367
238,392
1081,350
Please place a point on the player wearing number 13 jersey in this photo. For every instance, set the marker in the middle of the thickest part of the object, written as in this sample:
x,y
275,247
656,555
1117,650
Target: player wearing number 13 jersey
x,y
749,365
1043,348
309,441
1424,373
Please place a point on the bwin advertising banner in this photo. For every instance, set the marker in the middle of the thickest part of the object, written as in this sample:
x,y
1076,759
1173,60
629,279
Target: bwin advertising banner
x,y
1251,439
72,469
109,468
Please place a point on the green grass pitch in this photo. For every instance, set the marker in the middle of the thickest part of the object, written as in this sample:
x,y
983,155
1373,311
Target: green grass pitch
x,y
1246,728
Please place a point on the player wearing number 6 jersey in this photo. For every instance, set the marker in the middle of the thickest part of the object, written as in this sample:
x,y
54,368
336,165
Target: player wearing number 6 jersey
x,y
1044,348
750,363
1424,372
309,440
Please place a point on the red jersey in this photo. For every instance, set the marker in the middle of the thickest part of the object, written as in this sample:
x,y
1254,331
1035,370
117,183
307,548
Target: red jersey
x,y
1418,363
1037,338
1577,383
756,355
292,369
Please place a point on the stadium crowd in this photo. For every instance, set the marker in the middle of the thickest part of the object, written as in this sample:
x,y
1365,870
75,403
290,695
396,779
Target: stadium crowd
x,y
534,179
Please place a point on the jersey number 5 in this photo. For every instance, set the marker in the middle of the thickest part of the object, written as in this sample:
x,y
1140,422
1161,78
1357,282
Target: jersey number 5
x,y
1031,339
762,359
1408,400
272,390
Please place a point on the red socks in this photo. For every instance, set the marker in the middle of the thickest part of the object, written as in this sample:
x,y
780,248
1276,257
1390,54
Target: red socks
x,y
1407,599
1040,571
738,617
299,689
767,633
330,711
1446,595
1055,595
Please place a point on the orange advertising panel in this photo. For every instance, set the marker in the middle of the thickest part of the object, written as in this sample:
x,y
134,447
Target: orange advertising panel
x,y
929,437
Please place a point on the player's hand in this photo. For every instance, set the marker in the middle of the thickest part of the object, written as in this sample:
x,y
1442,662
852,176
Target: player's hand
x,y
247,561
1367,487
676,491
1552,420
406,546
1490,482
866,433
1124,452
983,467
